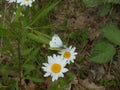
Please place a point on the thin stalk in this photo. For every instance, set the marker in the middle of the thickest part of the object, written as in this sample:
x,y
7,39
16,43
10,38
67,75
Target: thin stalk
x,y
19,63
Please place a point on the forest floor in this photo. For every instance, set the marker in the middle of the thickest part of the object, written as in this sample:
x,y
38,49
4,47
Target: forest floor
x,y
72,17
89,75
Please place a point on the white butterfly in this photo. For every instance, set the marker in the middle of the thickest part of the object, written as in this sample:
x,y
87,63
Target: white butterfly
x,y
56,43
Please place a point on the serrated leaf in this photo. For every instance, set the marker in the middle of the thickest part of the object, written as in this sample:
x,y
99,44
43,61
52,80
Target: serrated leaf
x,y
111,32
102,52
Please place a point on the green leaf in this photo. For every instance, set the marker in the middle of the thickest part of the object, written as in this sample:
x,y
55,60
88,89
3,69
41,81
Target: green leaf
x,y
112,1
44,12
92,3
4,71
28,68
111,32
4,32
17,85
102,53
42,34
104,9
18,11
8,45
32,56
70,77
26,51
39,39
35,79
54,87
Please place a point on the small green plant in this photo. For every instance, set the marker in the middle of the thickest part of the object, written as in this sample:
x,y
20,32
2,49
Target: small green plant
x,y
22,36
104,81
104,6
104,50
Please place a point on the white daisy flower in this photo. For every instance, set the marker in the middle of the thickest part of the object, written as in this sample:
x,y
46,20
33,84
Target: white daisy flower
x,y
55,67
11,1
69,54
25,2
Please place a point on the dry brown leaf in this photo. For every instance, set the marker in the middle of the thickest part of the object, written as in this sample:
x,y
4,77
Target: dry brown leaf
x,y
90,86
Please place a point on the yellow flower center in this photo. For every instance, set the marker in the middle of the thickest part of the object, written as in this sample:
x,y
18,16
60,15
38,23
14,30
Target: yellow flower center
x,y
56,68
67,54
27,0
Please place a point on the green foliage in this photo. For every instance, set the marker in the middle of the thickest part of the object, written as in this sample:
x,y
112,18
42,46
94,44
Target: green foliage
x,y
104,9
92,3
111,32
4,32
104,81
104,6
80,36
44,12
102,52
39,39
112,1
61,84
98,2
30,32
34,79
18,11
8,46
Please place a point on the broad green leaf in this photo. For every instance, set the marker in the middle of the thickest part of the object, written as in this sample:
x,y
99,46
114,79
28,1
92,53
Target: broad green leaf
x,y
44,12
111,32
102,52
34,79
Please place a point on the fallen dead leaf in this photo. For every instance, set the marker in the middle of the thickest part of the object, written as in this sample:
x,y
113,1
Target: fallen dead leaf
x,y
90,86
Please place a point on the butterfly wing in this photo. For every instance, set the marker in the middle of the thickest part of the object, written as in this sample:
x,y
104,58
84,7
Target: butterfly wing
x,y
56,42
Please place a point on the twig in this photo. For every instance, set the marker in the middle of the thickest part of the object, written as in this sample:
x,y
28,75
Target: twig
x,y
109,69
